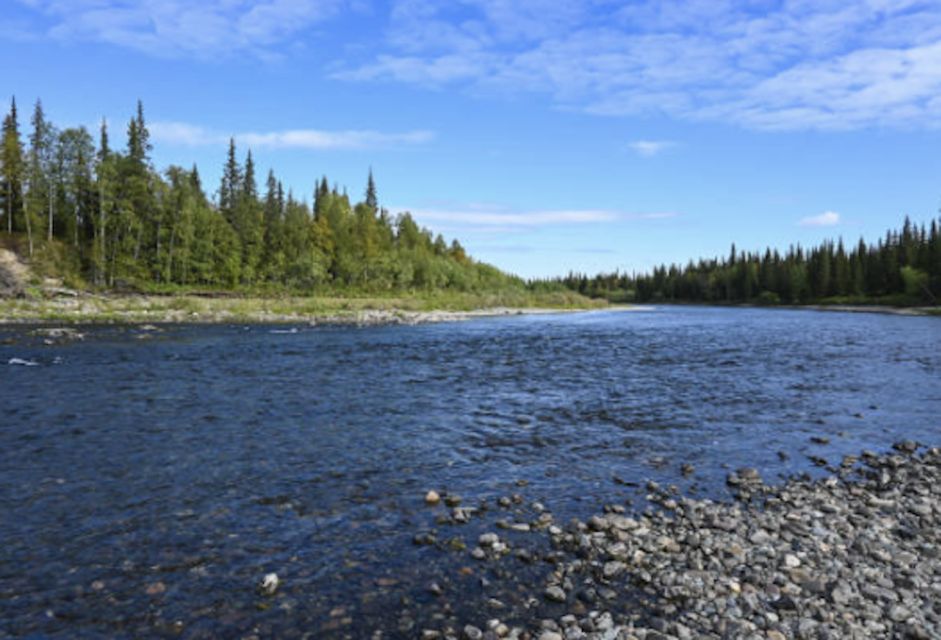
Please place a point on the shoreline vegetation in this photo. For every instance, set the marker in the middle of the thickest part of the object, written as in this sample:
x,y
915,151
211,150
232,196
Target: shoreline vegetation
x,y
103,219
314,310
903,269
92,233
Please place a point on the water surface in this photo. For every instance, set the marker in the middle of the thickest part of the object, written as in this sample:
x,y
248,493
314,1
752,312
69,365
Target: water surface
x,y
148,484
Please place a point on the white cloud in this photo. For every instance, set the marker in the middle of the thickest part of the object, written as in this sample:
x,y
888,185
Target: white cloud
x,y
650,148
763,64
766,65
176,28
184,134
497,217
825,219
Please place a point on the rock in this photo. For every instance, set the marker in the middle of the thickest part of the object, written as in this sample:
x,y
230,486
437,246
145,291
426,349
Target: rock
x,y
841,594
488,539
791,561
749,474
555,594
14,274
898,613
851,555
613,568
269,584
432,497
472,633
423,539
906,446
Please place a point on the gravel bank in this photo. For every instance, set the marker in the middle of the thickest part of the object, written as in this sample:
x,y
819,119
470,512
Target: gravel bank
x,y
87,309
855,555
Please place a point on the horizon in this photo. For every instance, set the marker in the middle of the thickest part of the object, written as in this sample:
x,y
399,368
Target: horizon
x,y
546,140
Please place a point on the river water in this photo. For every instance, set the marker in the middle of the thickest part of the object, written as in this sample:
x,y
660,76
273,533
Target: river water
x,y
146,485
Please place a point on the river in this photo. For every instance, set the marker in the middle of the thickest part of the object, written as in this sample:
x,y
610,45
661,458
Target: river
x,y
148,480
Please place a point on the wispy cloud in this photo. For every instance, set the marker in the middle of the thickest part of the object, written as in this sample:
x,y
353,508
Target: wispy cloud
x,y
825,219
496,217
176,28
184,134
650,148
795,65
827,65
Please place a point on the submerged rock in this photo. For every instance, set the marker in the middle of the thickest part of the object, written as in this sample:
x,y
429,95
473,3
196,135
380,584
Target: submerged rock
x,y
269,584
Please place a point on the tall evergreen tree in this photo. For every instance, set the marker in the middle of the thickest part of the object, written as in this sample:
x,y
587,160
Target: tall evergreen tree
x,y
11,154
372,199
231,184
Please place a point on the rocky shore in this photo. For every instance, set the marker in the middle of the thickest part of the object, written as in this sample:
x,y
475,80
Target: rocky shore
x,y
853,555
138,309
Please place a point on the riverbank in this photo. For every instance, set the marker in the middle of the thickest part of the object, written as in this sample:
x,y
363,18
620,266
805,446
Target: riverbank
x,y
84,308
854,555
835,308
896,311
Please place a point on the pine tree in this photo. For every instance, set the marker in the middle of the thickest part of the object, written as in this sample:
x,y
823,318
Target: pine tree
x,y
321,194
249,222
273,244
12,168
230,185
372,200
40,171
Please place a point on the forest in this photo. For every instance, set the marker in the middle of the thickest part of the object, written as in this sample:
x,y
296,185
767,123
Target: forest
x,y
904,268
106,217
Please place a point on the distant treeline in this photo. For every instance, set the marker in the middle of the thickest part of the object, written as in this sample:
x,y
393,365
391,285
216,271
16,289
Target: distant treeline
x,y
117,220
903,268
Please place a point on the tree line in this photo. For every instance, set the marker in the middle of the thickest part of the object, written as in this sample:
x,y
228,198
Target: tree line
x,y
122,222
904,267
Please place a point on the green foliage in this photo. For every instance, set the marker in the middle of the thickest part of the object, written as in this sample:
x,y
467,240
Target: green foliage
x,y
915,281
114,220
903,268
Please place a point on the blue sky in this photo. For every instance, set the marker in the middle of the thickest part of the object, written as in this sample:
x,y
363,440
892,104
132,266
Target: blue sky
x,y
547,136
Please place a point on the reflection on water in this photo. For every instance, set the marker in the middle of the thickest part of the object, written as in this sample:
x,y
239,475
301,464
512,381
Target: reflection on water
x,y
147,485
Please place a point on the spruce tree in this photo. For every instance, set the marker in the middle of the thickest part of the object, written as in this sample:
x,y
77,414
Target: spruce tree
x,y
11,152
230,185
372,200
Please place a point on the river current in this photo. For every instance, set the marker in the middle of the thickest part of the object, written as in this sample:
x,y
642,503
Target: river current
x,y
148,480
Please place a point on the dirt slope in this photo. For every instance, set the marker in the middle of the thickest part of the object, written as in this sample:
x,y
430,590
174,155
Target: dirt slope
x,y
14,275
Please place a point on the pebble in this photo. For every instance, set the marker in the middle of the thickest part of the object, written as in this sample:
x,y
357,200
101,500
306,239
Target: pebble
x,y
791,561
853,555
473,633
488,539
555,594
269,584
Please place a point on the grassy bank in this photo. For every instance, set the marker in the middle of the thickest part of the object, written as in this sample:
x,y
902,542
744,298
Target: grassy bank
x,y
203,308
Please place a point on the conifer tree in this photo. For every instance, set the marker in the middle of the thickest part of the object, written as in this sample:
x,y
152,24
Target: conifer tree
x,y
372,200
230,185
11,154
